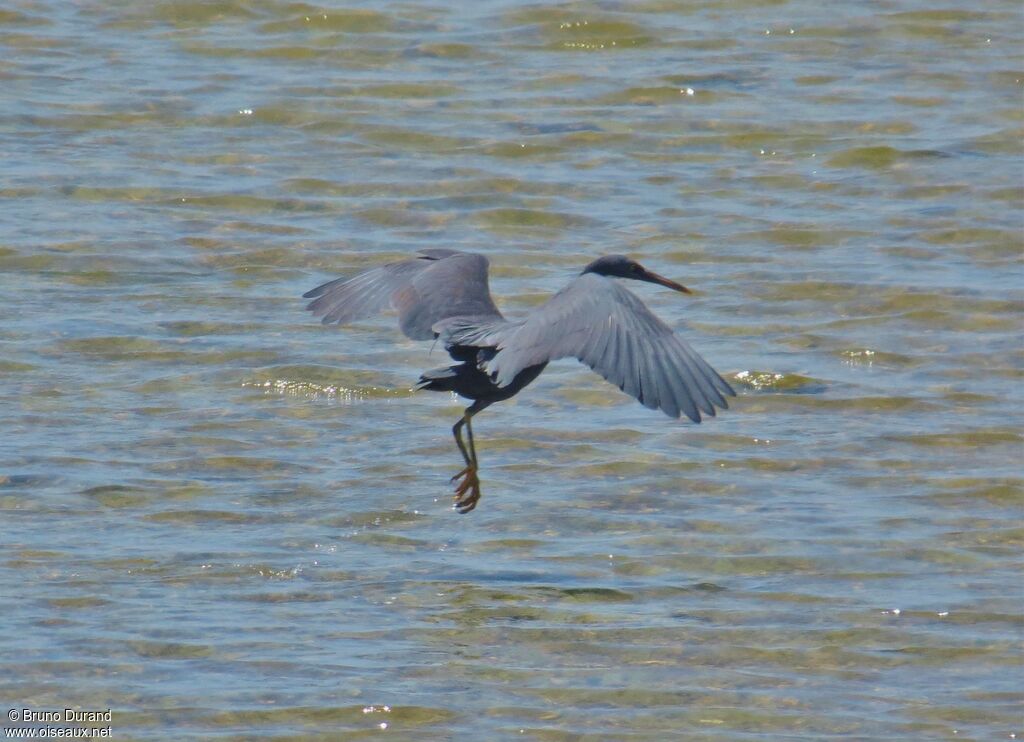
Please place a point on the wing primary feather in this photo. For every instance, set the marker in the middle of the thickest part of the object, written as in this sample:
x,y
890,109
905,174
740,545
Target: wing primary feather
x,y
675,403
706,377
667,402
626,370
647,374
594,352
703,394
687,394
313,293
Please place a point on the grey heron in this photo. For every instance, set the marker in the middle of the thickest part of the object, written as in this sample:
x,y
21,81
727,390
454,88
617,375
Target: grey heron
x,y
443,294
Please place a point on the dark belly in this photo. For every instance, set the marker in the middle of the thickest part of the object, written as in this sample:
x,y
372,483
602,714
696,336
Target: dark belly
x,y
472,383
467,380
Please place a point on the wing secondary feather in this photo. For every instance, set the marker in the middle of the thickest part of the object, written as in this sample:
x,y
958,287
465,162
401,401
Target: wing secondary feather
x,y
436,285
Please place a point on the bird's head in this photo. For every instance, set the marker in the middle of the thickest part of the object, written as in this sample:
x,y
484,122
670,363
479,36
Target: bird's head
x,y
620,266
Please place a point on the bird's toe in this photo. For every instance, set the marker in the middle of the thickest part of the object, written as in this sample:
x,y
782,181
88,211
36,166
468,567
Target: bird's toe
x,y
467,493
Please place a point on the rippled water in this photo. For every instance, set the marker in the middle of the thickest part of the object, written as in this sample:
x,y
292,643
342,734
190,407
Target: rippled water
x,y
224,519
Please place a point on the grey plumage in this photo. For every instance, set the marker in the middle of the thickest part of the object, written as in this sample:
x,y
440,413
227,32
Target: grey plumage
x,y
607,327
444,294
438,284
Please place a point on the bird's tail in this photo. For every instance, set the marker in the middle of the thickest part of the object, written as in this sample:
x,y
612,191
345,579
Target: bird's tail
x,y
439,379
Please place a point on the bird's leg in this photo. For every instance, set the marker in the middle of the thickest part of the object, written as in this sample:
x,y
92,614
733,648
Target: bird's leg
x,y
469,434
457,432
467,492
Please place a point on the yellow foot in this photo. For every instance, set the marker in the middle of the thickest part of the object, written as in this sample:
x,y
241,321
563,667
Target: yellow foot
x,y
467,492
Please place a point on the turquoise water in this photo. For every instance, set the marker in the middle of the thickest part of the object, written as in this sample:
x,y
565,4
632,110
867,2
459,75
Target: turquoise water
x,y
225,520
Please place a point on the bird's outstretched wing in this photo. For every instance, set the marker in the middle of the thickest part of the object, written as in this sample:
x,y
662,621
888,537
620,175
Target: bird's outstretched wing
x,y
435,285
607,327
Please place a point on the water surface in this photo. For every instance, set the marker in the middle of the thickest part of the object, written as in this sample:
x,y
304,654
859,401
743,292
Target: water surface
x,y
223,519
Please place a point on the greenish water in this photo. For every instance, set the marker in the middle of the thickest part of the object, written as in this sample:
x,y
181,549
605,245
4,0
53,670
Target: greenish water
x,y
224,520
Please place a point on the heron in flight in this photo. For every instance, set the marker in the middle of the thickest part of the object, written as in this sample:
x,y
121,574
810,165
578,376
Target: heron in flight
x,y
443,294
